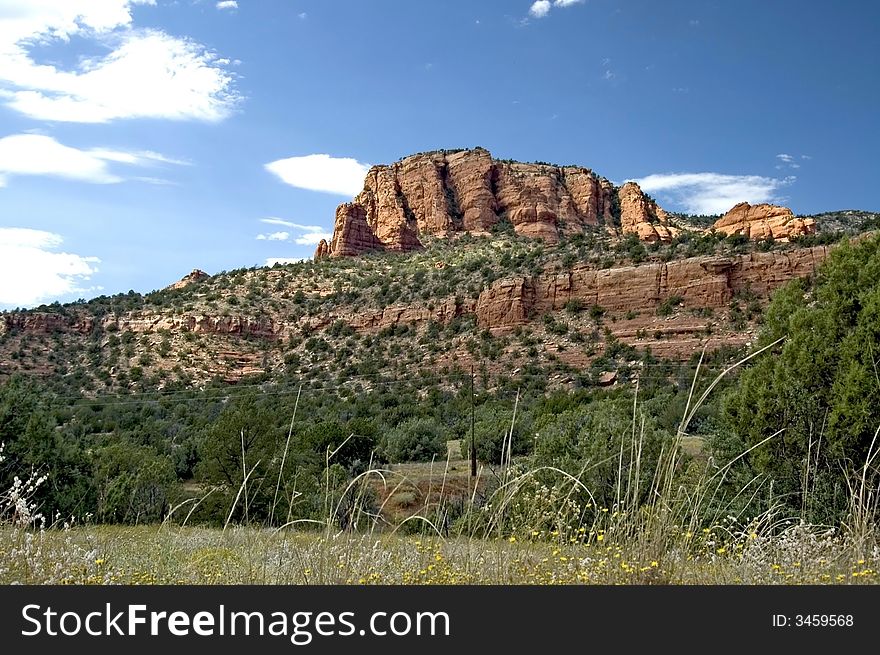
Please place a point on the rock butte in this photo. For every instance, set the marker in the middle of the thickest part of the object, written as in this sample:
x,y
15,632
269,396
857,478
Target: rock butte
x,y
443,193
763,222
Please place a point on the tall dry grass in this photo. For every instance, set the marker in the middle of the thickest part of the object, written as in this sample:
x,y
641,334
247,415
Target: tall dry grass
x,y
666,525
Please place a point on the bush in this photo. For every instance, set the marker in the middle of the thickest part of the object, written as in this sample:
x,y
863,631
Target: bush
x,y
492,423
668,306
821,386
586,442
414,440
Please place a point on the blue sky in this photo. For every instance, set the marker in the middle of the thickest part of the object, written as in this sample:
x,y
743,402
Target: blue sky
x,y
140,139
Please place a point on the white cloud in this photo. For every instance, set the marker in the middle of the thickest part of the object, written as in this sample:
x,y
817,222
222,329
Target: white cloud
x,y
713,193
227,4
540,8
31,272
271,261
138,157
38,154
312,238
788,161
273,220
342,176
157,181
303,15
147,73
311,234
274,236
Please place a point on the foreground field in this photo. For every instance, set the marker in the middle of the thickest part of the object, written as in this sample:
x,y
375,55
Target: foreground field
x,y
173,555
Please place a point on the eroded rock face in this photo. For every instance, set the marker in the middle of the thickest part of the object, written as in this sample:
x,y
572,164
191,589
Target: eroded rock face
x,y
45,323
764,221
642,216
352,234
243,326
700,282
323,249
443,193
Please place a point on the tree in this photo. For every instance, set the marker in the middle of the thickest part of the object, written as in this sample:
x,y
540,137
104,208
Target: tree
x,y
414,440
33,442
492,431
821,387
134,483
243,440
594,442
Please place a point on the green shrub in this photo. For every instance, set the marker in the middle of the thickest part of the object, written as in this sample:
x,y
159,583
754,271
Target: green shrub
x,y
820,387
414,440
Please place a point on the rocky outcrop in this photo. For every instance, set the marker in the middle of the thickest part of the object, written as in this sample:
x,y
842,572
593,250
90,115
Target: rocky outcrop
x,y
764,221
641,215
192,278
45,322
351,233
242,326
442,193
698,282
323,249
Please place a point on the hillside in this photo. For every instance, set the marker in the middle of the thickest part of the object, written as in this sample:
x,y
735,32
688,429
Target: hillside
x,y
501,303
448,261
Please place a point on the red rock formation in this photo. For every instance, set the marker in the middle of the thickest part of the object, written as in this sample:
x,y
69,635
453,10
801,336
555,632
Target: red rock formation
x,y
699,281
323,249
195,276
642,216
440,194
351,233
764,221
45,323
243,326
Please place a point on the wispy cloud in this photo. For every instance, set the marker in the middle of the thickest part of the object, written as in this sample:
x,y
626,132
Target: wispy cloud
x,y
309,235
273,220
227,4
156,181
339,175
41,155
33,271
274,236
541,8
788,161
712,193
312,238
147,73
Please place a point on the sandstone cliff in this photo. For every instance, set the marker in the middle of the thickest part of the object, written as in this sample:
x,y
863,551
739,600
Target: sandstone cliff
x,y
641,215
443,193
764,221
698,282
